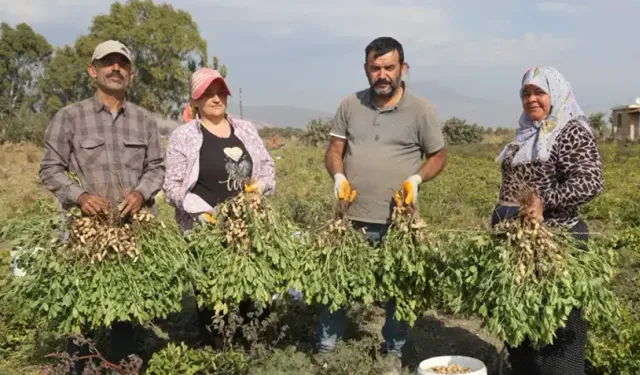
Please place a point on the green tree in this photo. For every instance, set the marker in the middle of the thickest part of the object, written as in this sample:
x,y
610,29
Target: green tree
x,y
166,47
597,122
65,79
456,131
22,55
317,132
222,69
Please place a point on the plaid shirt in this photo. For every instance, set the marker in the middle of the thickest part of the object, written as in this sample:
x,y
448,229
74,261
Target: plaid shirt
x,y
111,154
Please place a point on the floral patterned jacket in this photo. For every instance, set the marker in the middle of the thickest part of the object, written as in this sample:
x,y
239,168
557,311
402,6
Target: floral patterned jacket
x,y
182,162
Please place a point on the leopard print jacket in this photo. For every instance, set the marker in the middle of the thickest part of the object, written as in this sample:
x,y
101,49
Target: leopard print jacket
x,y
571,177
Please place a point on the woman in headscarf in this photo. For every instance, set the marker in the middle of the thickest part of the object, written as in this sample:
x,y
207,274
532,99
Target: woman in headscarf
x,y
212,158
555,152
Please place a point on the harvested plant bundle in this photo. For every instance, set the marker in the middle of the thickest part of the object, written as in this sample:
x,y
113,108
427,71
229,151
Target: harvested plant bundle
x,y
409,264
338,266
537,254
246,252
98,237
65,285
524,280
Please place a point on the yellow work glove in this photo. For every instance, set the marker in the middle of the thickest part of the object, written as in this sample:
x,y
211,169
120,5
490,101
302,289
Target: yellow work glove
x,y
342,189
410,189
254,187
207,217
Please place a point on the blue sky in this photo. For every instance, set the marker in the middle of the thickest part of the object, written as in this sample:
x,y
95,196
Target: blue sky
x,y
310,53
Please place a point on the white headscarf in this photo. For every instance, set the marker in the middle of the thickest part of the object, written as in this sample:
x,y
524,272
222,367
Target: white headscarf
x,y
536,138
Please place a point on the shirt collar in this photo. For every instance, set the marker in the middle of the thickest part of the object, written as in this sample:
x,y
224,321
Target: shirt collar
x,y
396,106
98,106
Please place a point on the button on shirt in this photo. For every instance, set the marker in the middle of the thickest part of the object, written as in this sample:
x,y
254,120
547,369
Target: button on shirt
x,y
383,148
111,153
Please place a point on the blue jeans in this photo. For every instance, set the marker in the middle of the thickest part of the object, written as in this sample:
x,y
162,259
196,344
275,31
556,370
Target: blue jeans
x,y
332,325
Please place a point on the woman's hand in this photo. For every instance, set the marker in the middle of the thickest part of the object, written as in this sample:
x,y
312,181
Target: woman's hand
x,y
254,187
535,209
207,217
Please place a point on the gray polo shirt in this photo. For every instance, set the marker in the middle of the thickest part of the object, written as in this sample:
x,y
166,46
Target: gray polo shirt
x,y
384,148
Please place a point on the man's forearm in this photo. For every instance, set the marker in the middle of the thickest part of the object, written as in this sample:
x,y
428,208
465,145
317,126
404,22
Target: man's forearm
x,y
63,188
433,165
333,163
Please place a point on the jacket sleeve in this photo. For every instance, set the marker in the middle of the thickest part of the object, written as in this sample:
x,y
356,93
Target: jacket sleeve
x,y
55,161
153,167
176,170
579,171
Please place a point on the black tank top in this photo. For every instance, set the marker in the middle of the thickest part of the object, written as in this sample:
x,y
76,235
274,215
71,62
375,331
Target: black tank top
x,y
225,166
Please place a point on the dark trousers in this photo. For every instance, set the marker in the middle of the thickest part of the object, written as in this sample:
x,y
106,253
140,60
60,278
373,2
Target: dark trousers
x,y
566,356
121,344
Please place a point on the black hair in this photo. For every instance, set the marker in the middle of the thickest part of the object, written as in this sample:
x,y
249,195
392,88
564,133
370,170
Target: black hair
x,y
383,45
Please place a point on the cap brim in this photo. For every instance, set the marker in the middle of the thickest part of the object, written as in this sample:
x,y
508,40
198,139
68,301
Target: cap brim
x,y
98,57
205,84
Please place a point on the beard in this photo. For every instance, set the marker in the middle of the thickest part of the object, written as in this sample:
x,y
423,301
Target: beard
x,y
107,84
387,91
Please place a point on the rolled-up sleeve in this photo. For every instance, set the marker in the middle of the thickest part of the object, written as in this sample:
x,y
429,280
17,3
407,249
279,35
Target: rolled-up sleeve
x,y
54,164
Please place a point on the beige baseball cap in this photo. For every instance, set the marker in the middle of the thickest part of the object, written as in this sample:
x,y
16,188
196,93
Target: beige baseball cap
x,y
110,46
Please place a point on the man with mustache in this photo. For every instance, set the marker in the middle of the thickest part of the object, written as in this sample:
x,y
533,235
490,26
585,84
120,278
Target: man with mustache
x,y
113,148
378,140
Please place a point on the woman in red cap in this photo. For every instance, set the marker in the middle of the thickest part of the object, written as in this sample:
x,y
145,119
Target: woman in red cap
x,y
212,157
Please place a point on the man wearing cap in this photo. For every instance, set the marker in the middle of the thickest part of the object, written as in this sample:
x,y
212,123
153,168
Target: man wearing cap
x,y
113,148
379,140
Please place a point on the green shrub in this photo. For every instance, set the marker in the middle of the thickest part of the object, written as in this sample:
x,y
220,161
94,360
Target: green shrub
x,y
457,132
180,359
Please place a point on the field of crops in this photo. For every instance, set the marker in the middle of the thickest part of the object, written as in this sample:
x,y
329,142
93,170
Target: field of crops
x,y
458,201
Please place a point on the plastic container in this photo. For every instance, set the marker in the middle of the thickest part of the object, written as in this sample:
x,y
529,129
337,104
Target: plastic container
x,y
476,366
15,258
15,269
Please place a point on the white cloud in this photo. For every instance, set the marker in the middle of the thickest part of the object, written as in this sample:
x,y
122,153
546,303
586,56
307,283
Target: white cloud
x,y
561,7
427,31
530,48
462,38
38,12
426,28
359,19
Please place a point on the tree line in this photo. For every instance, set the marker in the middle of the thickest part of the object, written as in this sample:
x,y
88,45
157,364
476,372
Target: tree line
x,y
38,79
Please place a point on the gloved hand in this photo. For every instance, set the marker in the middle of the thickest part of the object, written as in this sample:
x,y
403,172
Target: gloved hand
x,y
340,183
207,217
254,187
410,188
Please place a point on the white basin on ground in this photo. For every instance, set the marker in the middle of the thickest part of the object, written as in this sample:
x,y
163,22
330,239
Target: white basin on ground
x,y
476,366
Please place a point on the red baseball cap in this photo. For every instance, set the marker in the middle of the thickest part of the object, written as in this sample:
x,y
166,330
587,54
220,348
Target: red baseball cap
x,y
202,78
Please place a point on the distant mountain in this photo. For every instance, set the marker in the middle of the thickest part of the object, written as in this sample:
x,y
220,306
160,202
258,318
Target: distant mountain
x,y
264,116
449,103
278,115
